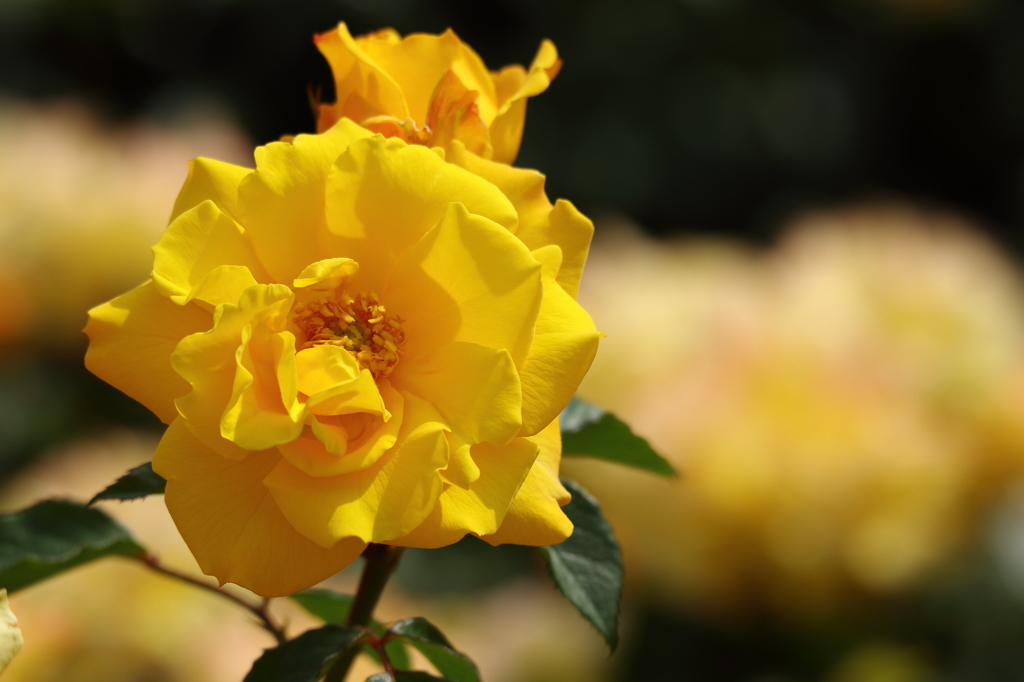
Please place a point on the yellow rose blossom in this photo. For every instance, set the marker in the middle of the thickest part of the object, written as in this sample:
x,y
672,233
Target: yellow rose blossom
x,y
431,89
355,342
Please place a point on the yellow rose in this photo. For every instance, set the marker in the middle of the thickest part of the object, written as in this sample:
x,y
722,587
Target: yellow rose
x,y
355,342
431,89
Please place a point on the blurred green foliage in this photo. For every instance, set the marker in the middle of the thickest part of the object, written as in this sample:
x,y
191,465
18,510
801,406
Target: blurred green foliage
x,y
47,400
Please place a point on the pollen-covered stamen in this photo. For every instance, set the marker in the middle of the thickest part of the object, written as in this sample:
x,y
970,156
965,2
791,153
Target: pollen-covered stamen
x,y
360,325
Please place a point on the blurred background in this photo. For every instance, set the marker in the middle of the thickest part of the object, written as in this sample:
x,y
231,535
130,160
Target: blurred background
x,y
807,262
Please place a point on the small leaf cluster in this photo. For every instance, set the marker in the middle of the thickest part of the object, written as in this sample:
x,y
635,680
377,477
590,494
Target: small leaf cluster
x,y
312,655
332,607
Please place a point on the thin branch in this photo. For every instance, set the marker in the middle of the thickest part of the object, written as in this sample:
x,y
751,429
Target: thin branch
x,y
378,644
261,611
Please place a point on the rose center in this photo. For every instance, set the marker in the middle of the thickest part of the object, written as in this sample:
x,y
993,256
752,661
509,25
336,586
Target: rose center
x,y
360,325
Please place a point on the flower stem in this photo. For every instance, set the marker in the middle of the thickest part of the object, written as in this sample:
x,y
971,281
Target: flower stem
x,y
259,610
389,667
381,561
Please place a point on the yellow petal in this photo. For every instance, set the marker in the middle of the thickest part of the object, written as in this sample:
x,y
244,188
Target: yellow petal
x,y
462,470
334,438
284,198
208,362
362,88
481,509
11,639
325,366
472,71
572,231
311,455
130,343
523,187
377,43
371,434
468,279
507,127
263,410
209,179
540,223
336,383
341,444
454,114
564,346
355,395
550,259
535,517
368,69
543,69
507,82
223,284
405,130
476,390
375,504
417,64
326,274
198,242
384,195
507,133
229,519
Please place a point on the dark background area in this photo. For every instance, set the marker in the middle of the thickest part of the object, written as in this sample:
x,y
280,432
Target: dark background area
x,y
707,116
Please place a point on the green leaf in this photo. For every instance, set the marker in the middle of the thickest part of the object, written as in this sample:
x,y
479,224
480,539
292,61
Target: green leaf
x,y
54,536
332,607
306,658
397,654
589,431
587,568
422,635
141,481
407,676
327,605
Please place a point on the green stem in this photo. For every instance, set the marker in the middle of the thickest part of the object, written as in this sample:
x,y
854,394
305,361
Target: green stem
x,y
381,561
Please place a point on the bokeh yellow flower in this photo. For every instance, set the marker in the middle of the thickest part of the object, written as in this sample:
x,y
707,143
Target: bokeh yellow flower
x,y
431,89
11,639
80,202
355,342
843,409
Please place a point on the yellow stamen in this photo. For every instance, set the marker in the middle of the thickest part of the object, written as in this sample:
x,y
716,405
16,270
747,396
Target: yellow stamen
x,y
360,325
